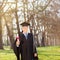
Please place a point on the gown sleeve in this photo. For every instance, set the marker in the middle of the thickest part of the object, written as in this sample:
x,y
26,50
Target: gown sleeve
x,y
34,45
34,50
15,47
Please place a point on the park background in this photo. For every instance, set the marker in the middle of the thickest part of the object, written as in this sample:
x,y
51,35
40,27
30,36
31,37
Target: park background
x,y
44,18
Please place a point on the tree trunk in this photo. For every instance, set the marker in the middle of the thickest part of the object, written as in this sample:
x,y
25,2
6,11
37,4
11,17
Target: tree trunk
x,y
10,34
1,43
16,16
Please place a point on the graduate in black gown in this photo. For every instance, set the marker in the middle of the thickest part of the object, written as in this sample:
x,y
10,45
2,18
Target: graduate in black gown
x,y
25,45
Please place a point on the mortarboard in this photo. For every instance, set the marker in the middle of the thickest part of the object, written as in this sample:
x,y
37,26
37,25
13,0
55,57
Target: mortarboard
x,y
25,24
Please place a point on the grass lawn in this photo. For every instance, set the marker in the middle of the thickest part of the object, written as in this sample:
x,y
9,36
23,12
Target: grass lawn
x,y
44,53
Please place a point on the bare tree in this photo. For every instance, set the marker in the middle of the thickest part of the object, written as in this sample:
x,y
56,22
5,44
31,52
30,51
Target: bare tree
x,y
1,42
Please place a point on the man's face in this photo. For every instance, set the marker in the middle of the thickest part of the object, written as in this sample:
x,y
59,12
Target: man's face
x,y
25,29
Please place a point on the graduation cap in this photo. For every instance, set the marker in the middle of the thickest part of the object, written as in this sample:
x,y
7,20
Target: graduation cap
x,y
25,24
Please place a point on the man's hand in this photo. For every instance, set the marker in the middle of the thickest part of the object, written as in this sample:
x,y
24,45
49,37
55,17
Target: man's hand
x,y
35,54
17,42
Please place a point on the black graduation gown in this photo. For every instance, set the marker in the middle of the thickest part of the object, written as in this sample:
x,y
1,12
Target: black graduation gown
x,y
26,48
17,50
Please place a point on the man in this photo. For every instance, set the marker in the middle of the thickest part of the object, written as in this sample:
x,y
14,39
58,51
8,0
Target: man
x,y
25,44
